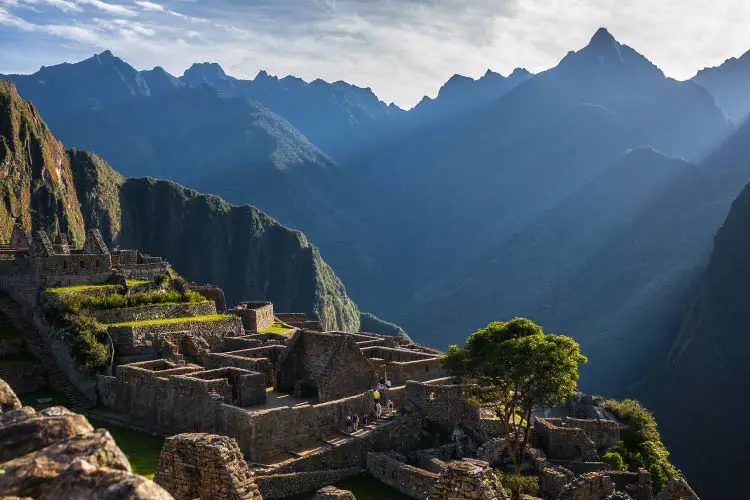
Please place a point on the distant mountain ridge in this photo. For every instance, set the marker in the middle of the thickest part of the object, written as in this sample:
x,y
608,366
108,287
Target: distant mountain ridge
x,y
239,248
729,82
415,209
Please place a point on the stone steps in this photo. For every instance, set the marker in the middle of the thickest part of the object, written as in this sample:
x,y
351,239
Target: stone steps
x,y
36,346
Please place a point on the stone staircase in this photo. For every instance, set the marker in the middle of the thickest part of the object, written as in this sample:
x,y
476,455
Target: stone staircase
x,y
36,346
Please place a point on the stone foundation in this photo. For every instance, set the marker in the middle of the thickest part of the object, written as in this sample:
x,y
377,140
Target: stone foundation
x,y
205,466
468,479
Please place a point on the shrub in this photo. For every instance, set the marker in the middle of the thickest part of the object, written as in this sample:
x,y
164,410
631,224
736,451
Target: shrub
x,y
161,279
88,342
517,485
614,459
641,444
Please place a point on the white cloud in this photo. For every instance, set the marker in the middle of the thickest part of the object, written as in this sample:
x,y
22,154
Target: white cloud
x,y
111,8
403,49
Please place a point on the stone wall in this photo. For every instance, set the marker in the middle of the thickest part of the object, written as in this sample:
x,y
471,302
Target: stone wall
x,y
212,293
205,466
229,359
409,480
213,332
468,479
347,372
400,435
288,485
256,316
425,369
636,484
677,489
156,311
266,433
328,365
562,441
443,405
182,399
590,486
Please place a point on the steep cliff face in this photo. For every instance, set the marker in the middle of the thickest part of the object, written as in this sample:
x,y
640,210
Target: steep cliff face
x,y
250,255
702,386
35,176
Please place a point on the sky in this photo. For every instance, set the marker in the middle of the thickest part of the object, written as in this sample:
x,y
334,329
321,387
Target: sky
x,y
402,49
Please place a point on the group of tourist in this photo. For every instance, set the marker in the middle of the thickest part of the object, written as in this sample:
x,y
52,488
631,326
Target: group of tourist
x,y
353,421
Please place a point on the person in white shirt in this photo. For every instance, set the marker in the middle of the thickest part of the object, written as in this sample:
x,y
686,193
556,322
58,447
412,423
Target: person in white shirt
x,y
378,410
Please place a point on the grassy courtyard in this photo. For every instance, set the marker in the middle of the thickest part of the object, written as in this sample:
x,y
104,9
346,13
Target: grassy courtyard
x,y
141,449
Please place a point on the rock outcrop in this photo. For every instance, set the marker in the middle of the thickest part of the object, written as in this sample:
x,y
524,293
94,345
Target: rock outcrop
x,y
55,453
333,493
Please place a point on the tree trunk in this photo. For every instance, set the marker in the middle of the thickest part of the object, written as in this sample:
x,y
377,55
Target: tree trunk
x,y
527,429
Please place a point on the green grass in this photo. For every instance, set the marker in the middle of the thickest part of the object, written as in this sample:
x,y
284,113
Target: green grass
x,y
276,328
30,399
141,449
169,321
81,288
364,488
137,282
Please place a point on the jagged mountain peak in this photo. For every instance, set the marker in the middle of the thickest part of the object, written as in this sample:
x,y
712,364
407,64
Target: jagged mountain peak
x,y
205,70
602,37
604,54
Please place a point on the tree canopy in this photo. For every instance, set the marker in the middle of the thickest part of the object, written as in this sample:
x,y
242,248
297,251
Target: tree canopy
x,y
512,367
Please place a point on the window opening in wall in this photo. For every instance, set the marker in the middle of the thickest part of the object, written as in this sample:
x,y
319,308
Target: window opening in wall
x,y
426,368
432,396
65,264
96,263
82,264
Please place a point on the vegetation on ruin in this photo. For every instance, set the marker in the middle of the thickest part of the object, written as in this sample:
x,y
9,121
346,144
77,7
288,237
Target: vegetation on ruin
x,y
168,321
135,299
276,328
641,445
513,367
141,449
88,341
615,460
517,485
83,288
135,283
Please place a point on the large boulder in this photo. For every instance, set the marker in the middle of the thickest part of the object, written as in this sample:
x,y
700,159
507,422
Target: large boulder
x,y
333,493
33,474
8,399
34,431
83,481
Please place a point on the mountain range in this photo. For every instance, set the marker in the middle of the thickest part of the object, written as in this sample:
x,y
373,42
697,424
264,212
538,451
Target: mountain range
x,y
585,196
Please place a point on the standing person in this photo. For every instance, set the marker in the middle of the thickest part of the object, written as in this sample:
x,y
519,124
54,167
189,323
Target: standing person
x,y
365,417
378,410
390,407
388,383
376,395
349,424
378,386
356,422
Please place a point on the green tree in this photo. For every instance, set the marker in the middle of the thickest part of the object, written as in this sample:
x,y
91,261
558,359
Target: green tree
x,y
513,367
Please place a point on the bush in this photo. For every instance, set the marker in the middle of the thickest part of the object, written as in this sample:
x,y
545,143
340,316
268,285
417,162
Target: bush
x,y
641,444
161,279
88,342
517,485
615,460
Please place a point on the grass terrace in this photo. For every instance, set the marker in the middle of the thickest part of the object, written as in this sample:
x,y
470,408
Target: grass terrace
x,y
169,321
276,328
141,449
84,288
133,283
136,299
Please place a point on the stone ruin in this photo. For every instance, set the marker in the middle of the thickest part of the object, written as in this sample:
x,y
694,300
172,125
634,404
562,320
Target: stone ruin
x,y
205,466
55,453
281,400
333,493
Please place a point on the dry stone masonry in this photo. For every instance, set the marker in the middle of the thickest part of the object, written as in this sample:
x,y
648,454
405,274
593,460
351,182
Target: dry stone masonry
x,y
205,466
266,412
